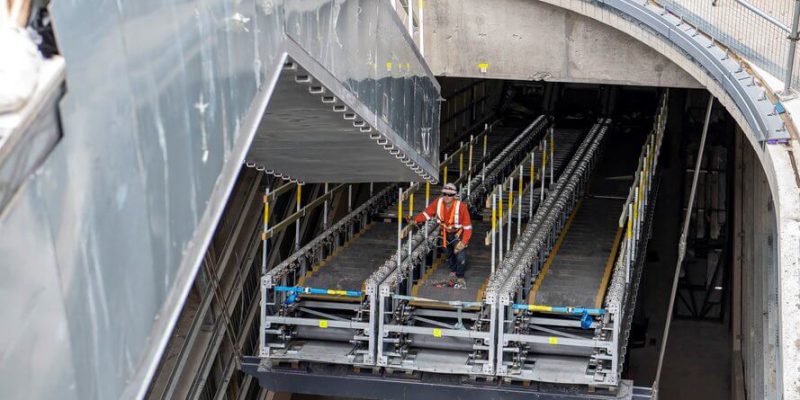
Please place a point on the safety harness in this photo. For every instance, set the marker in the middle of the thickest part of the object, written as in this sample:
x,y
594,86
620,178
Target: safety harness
x,y
450,223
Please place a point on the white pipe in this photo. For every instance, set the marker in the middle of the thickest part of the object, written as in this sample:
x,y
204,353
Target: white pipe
x,y
494,230
421,22
410,10
325,210
519,202
552,155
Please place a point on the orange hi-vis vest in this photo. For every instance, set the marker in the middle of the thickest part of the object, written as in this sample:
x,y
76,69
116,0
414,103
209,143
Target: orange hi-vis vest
x,y
454,219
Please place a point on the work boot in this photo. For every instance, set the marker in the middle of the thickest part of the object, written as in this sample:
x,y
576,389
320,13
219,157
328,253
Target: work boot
x,y
461,283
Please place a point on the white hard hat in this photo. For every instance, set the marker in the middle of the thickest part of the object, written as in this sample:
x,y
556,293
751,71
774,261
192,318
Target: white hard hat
x,y
450,189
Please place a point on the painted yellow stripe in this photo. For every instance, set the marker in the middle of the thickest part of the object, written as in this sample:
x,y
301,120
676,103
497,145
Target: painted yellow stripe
x,y
436,264
536,307
316,268
552,256
598,300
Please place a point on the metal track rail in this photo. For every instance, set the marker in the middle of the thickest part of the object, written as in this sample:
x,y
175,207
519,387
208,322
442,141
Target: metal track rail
x,y
561,321
318,305
448,330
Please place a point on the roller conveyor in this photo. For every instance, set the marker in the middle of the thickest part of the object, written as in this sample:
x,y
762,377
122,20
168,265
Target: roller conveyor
x,y
479,257
581,265
319,304
556,309
352,264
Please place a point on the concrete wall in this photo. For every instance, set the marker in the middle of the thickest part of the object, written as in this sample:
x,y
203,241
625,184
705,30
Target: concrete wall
x,y
756,316
530,40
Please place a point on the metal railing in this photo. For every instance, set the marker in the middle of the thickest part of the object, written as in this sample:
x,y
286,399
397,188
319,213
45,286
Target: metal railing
x,y
764,32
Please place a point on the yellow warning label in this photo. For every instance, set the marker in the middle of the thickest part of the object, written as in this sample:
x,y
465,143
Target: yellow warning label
x,y
437,332
389,66
552,340
483,67
323,323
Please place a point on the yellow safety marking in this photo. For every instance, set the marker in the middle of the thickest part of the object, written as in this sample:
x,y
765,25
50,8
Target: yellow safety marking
x,y
427,191
460,164
317,267
598,300
299,192
539,308
510,196
445,174
482,290
337,292
411,205
400,210
266,212
485,138
389,66
552,256
323,323
500,208
436,264
552,340
437,332
421,5
483,67
629,233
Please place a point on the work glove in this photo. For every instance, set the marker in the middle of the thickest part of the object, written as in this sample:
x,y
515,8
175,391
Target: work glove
x,y
459,246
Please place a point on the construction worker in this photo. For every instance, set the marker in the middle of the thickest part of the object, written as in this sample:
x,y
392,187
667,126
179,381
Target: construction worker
x,y
453,216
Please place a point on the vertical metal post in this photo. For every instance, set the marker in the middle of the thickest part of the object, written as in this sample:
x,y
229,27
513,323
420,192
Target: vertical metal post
x,y
494,229
461,161
793,37
421,22
552,155
500,222
682,246
519,201
510,211
410,10
444,173
349,198
325,210
485,138
530,186
410,215
629,236
371,188
543,170
399,222
264,233
469,164
297,222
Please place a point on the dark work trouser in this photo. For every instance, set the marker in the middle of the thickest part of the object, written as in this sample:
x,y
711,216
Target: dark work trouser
x,y
456,262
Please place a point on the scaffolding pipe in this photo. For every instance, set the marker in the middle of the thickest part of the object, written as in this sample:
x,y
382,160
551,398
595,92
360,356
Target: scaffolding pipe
x,y
421,23
519,200
510,212
793,37
264,232
500,223
552,155
494,229
297,222
325,208
399,221
682,246
530,185
543,170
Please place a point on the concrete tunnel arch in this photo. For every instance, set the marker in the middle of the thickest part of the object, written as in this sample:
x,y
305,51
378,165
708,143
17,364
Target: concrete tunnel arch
x,y
612,13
